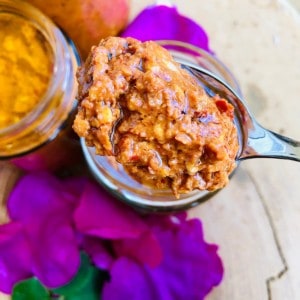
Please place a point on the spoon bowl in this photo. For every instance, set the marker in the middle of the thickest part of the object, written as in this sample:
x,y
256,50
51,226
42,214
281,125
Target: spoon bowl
x,y
255,140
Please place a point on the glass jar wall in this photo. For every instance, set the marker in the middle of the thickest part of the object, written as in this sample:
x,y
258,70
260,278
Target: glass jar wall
x,y
38,78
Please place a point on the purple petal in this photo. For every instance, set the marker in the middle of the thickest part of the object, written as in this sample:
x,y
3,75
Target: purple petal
x,y
100,215
45,207
38,195
55,250
15,256
189,270
31,162
98,252
145,249
166,23
129,280
75,186
187,254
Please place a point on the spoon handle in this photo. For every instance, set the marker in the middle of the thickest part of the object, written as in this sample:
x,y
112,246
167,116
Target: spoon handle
x,y
266,143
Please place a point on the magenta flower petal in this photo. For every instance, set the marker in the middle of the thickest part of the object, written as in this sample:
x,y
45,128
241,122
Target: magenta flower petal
x,y
100,215
130,280
55,250
98,252
15,256
166,23
75,186
189,270
145,249
37,195
187,254
44,205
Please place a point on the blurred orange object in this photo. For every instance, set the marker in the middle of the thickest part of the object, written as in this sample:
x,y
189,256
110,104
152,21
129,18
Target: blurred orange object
x,y
9,174
86,21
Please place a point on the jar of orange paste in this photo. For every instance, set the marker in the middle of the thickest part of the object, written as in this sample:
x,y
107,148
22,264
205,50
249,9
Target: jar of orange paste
x,y
38,87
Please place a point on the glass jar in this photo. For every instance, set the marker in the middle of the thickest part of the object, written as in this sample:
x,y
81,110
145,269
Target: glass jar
x,y
113,177
42,139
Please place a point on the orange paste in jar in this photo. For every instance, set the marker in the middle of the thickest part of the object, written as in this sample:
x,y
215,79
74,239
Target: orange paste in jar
x,y
137,104
26,66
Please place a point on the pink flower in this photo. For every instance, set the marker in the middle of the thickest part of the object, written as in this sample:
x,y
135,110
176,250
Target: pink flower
x,y
100,217
159,22
148,257
41,208
189,270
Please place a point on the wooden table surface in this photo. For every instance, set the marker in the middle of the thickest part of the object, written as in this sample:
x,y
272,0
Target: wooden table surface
x,y
256,219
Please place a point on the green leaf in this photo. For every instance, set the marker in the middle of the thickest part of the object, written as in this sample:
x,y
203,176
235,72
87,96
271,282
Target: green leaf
x,y
87,284
79,281
92,290
30,289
